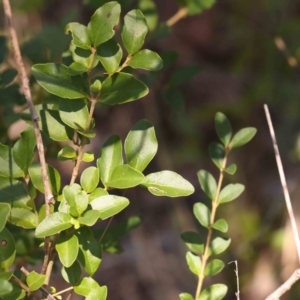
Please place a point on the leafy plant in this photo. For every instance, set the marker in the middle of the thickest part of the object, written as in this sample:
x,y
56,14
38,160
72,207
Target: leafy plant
x,y
202,249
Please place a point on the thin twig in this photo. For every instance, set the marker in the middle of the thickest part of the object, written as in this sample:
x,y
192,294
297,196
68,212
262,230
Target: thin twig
x,y
285,287
105,230
25,287
181,13
236,271
63,291
283,182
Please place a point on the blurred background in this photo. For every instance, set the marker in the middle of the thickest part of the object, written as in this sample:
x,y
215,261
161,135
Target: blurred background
x,y
233,58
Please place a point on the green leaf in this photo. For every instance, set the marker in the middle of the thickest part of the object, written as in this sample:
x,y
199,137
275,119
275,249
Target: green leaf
x,y
8,168
5,287
89,218
13,192
134,31
35,172
88,133
231,169
217,154
89,179
103,21
242,137
194,263
202,213
167,183
72,274
141,145
66,153
97,193
223,128
67,248
76,68
43,213
231,192
121,88
197,6
109,205
23,149
6,275
124,177
54,127
53,224
76,198
16,294
186,296
215,292
88,157
147,60
193,241
84,57
80,35
89,250
4,213
148,8
7,250
110,54
57,80
110,157
220,225
96,86
219,245
74,113
89,288
208,183
35,280
23,217
214,267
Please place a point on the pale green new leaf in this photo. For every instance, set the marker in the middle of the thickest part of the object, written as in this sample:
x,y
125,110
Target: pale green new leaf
x,y
231,169
147,60
67,248
219,245
167,183
214,267
88,156
76,198
23,217
220,225
194,263
242,137
35,280
80,35
215,292
223,128
7,250
4,213
231,192
141,145
89,179
98,192
186,296
83,57
5,287
89,288
202,213
208,183
89,218
67,153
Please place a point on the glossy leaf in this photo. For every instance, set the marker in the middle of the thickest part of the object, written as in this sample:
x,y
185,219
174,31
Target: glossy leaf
x,y
220,225
121,88
124,177
5,287
23,149
13,192
7,250
215,292
88,133
72,274
88,157
74,113
141,145
89,288
67,152
242,137
110,54
89,250
194,263
202,213
109,205
231,169
208,183
193,241
23,217
197,6
97,193
217,154
4,213
76,68
167,183
231,192
85,58
110,157
223,128
186,296
89,218
35,172
103,21
76,198
80,35
147,60
53,224
214,267
219,245
67,248
57,80
134,31
35,280
8,168
148,8
16,294
89,179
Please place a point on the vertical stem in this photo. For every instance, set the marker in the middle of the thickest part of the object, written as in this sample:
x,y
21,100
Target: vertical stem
x,y
182,13
215,204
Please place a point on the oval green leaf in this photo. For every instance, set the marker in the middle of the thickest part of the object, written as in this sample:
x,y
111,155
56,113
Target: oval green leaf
x,y
98,192
89,218
231,192
186,296
35,280
72,274
194,263
202,213
219,245
215,292
4,213
7,250
214,267
9,167
89,179
23,217
5,287
220,225
67,248
89,288
67,153
80,35
217,154
242,137
223,128
147,60
193,241
208,183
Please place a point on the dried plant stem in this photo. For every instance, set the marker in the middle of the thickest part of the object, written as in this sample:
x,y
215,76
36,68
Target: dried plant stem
x,y
236,271
181,13
283,182
215,204
105,230
63,291
25,287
